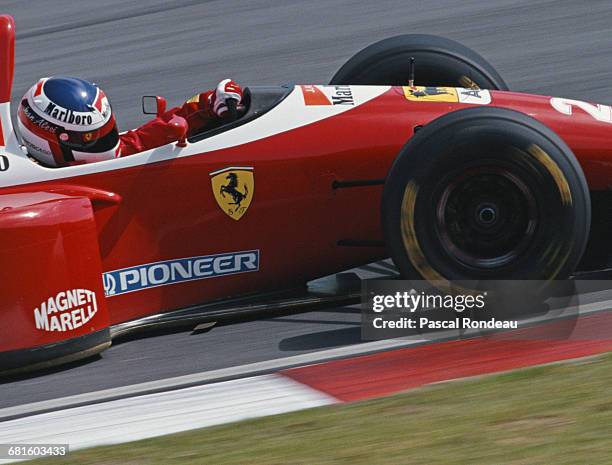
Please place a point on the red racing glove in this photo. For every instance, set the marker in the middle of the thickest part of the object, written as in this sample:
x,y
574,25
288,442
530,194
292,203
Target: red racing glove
x,y
226,89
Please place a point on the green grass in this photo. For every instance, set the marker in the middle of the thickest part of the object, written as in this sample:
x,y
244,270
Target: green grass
x,y
555,414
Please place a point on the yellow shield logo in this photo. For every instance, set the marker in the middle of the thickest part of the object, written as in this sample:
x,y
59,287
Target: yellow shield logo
x,y
233,189
431,94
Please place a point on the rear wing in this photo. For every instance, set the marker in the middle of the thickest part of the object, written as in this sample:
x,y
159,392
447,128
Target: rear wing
x,y
7,64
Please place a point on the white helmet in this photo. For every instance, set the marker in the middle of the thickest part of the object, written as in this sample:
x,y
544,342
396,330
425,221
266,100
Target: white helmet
x,y
65,121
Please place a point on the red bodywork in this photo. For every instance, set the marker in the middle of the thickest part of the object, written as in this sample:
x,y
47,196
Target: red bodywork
x,y
62,234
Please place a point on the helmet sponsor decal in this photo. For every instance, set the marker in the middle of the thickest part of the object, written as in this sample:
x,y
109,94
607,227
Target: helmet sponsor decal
x,y
327,95
68,116
233,189
180,270
66,311
447,94
38,120
36,145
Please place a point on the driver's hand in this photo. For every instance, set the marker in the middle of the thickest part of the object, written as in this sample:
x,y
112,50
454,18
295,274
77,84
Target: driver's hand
x,y
226,89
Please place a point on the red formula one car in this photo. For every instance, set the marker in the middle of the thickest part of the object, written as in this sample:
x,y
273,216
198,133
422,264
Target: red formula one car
x,y
454,178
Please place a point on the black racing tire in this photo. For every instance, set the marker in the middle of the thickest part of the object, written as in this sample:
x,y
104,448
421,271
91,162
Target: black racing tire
x,y
486,194
438,62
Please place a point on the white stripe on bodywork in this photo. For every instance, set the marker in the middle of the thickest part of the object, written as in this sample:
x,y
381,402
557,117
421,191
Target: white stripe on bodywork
x,y
290,114
6,124
232,168
142,417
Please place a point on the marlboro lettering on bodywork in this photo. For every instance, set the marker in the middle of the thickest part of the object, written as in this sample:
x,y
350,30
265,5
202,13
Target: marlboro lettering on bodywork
x,y
327,95
141,277
342,95
66,311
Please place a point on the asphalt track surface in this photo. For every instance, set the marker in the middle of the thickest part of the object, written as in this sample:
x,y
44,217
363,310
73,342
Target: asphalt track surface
x,y
177,48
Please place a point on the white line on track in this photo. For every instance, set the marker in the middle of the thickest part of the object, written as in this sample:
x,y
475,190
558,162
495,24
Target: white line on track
x,y
151,415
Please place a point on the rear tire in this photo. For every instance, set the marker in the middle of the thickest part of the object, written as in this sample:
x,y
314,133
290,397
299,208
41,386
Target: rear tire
x,y
438,62
486,194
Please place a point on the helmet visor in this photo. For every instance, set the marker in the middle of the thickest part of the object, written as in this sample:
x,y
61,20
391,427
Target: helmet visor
x,y
100,140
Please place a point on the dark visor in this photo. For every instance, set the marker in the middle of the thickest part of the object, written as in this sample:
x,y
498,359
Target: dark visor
x,y
89,142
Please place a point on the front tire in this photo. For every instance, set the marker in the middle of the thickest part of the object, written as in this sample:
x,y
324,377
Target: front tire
x,y
486,194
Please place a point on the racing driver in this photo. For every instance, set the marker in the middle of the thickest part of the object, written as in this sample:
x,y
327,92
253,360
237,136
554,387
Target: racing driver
x,y
66,121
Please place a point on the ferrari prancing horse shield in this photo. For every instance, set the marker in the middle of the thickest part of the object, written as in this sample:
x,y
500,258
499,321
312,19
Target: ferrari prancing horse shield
x,y
233,189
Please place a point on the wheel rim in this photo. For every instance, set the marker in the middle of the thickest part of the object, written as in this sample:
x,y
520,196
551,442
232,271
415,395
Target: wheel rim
x,y
485,217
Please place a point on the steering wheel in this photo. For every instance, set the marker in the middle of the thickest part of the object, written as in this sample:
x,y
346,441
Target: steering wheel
x,y
232,110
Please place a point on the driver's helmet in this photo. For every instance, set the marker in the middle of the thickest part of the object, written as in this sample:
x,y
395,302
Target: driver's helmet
x,y
66,121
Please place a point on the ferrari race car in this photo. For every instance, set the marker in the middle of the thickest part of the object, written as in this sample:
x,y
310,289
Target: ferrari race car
x,y
415,150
